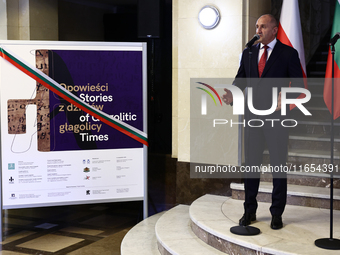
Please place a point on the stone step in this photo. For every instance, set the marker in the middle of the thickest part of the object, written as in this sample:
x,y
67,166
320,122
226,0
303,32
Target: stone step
x,y
321,55
318,63
204,228
141,239
318,56
305,177
317,128
174,234
296,195
313,137
213,216
319,114
315,87
311,156
318,74
316,141
307,157
318,123
316,100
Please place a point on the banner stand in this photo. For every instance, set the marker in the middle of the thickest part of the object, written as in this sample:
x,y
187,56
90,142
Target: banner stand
x,y
73,124
1,211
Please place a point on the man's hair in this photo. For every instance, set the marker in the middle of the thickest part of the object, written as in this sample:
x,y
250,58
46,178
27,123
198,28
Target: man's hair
x,y
273,20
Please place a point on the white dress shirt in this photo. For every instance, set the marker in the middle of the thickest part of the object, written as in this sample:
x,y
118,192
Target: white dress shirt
x,y
269,50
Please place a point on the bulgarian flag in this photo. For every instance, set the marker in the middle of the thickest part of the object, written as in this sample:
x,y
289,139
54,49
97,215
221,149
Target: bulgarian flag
x,y
290,33
327,90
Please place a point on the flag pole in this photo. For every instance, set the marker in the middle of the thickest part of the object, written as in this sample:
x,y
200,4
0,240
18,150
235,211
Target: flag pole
x,y
330,243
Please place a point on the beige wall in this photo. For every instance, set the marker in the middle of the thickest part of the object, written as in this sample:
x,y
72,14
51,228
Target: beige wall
x,y
29,20
3,20
44,20
201,53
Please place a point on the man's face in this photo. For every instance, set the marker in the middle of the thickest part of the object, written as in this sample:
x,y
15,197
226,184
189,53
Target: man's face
x,y
266,29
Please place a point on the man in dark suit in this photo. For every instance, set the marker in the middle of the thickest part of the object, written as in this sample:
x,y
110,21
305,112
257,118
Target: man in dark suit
x,y
269,59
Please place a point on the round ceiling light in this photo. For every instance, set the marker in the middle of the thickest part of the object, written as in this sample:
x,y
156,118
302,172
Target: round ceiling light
x,y
209,16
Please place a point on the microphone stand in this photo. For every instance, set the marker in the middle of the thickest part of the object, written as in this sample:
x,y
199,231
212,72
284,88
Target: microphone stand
x,y
246,230
330,243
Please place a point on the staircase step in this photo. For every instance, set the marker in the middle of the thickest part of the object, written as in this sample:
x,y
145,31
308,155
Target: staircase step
x,y
319,62
315,87
307,157
296,195
318,123
318,157
213,216
322,115
309,127
141,239
320,56
317,141
316,100
318,74
302,177
174,234
313,137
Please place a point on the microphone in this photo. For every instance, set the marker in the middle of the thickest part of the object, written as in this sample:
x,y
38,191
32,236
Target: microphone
x,y
335,38
251,42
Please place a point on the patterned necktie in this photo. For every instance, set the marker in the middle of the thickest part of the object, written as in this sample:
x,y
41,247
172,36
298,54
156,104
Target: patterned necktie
x,y
263,60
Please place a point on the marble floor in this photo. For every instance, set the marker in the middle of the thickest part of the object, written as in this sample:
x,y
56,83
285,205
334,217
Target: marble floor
x,y
78,229
86,229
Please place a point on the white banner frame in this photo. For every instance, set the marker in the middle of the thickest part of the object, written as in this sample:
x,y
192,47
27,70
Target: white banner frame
x,y
94,46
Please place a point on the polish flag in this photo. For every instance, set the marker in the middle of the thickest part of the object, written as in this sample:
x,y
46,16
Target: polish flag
x,y
290,33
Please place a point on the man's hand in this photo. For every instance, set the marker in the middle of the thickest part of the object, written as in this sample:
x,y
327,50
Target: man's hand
x,y
227,97
278,103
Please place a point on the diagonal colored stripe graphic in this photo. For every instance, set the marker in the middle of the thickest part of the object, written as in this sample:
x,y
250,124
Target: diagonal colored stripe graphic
x,y
212,89
52,85
208,93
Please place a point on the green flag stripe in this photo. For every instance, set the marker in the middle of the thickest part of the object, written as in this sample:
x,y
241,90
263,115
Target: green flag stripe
x,y
335,29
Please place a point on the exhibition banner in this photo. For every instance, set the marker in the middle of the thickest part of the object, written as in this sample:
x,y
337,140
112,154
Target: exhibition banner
x,y
73,122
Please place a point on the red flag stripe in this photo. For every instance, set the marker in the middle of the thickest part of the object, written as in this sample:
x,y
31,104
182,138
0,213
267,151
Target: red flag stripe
x,y
284,39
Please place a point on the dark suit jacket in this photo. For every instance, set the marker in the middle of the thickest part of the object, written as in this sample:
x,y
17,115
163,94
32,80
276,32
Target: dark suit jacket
x,y
282,65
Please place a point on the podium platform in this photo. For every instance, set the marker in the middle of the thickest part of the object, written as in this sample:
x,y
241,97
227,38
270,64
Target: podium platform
x,y
203,228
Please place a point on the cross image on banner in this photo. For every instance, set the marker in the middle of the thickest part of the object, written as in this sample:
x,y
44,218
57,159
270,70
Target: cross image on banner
x,y
327,91
290,33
